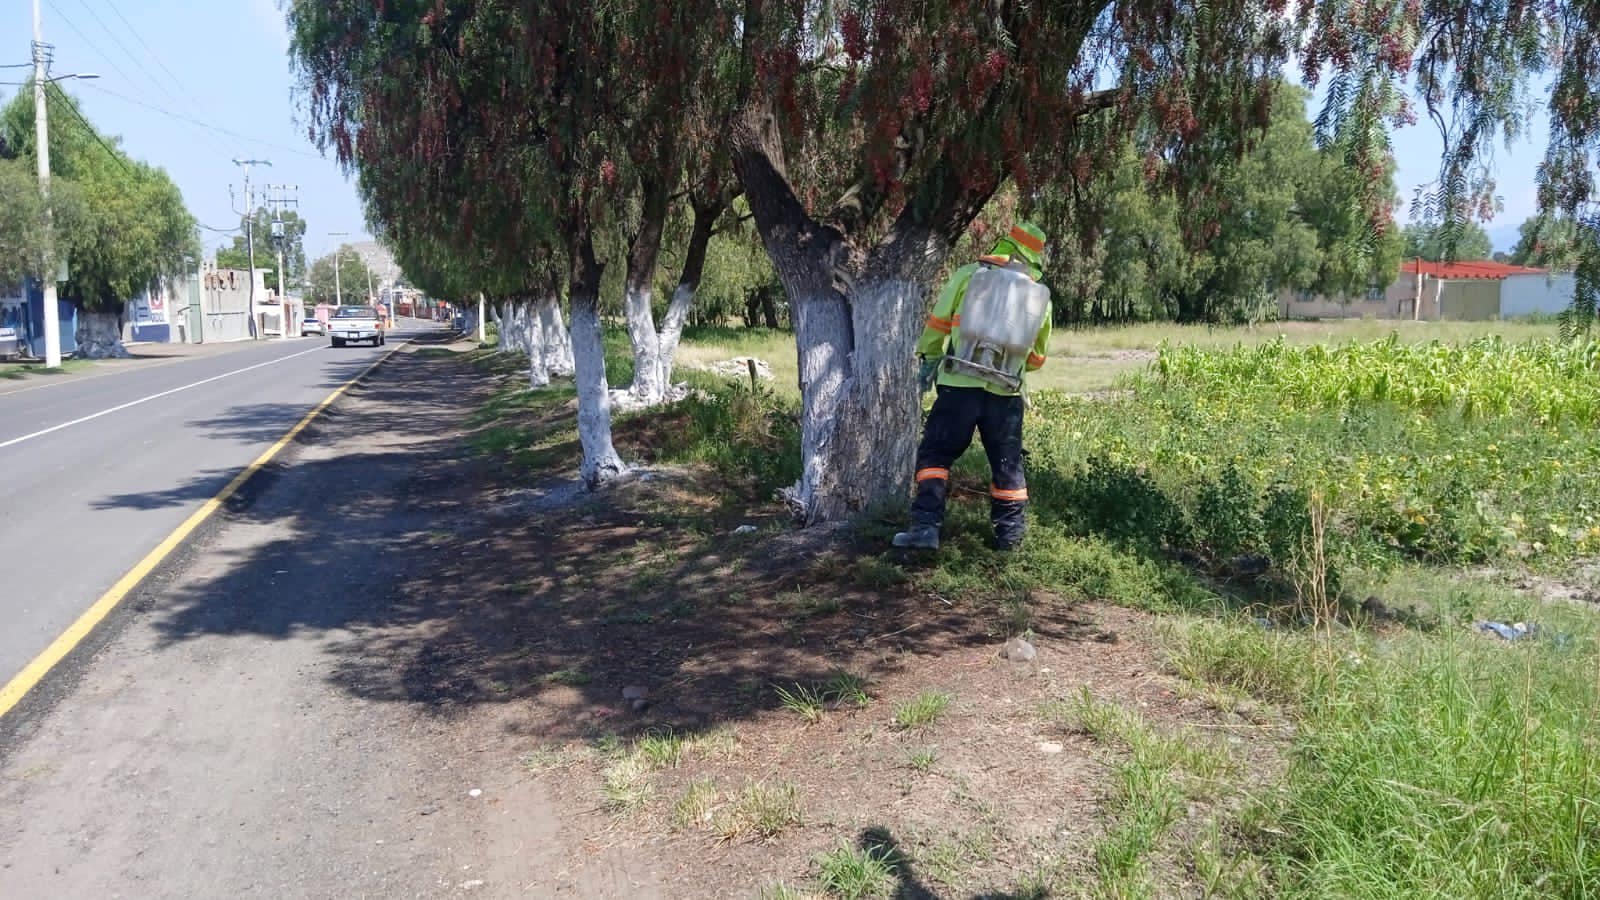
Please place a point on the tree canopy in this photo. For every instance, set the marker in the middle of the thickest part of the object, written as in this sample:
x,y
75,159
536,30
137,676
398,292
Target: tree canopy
x,y
121,224
294,250
325,284
868,137
1436,242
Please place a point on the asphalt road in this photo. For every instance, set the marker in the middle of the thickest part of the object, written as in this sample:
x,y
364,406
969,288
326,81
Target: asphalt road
x,y
97,470
274,717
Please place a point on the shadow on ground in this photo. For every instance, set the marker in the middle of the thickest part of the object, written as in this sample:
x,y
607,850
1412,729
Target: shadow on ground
x,y
441,582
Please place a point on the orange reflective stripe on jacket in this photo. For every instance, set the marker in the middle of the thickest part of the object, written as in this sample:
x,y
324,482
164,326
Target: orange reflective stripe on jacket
x,y
1036,360
942,326
1000,493
933,474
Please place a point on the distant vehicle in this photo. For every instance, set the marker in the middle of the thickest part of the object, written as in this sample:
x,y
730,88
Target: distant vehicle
x,y
355,323
313,326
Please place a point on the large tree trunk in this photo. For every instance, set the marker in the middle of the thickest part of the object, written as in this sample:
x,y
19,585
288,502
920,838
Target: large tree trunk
x,y
694,267
600,460
558,357
857,314
99,336
538,364
644,250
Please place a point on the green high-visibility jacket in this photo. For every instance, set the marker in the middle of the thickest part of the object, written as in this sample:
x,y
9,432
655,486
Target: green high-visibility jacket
x,y
944,329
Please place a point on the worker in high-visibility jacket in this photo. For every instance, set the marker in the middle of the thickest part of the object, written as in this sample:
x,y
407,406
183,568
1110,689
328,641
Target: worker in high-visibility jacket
x,y
965,402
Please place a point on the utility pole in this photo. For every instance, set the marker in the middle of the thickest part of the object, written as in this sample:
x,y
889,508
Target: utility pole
x,y
41,62
250,233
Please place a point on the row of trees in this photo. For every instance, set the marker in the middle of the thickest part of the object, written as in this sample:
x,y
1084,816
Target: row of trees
x,y
522,150
119,224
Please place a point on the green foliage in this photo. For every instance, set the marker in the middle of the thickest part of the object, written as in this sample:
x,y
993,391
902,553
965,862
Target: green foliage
x,y
1285,215
294,258
1439,759
324,284
120,223
1433,242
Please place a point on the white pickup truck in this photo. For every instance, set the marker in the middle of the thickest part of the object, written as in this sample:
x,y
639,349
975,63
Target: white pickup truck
x,y
355,323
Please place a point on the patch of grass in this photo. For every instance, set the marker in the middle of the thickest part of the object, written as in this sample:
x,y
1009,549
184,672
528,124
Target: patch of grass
x,y
622,616
845,688
663,749
1446,759
694,808
626,784
855,874
568,677
950,861
546,759
922,710
922,759
1150,787
761,810
805,702
809,606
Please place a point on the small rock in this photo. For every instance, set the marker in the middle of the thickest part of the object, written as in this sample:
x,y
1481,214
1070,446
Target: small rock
x,y
640,705
635,692
1019,650
1105,637
1050,747
428,810
475,792
746,529
474,883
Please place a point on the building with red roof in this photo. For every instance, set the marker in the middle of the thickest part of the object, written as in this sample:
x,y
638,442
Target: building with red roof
x,y
1471,290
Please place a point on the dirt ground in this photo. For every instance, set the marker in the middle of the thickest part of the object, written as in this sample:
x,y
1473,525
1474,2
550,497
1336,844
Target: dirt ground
x,y
401,667
626,653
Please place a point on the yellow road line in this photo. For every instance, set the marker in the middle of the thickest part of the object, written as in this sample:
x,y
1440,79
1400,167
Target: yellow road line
x,y
35,671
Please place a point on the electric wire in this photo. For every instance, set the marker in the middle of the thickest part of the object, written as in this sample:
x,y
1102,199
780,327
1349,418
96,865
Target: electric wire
x,y
65,101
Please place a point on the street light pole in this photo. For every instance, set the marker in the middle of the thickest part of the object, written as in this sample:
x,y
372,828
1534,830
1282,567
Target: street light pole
x,y
52,315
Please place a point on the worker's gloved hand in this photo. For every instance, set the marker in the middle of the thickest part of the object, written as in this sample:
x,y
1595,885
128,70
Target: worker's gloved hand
x,y
927,374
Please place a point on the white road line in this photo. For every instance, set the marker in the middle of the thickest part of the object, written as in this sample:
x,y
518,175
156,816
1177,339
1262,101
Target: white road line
x,y
106,412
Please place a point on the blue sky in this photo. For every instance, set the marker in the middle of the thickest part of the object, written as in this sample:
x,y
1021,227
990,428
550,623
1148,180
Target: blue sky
x,y
224,63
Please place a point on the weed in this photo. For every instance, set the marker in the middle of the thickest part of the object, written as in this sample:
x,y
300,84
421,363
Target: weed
x,y
626,784
921,711
810,606
545,759
950,861
568,677
805,702
693,809
922,759
663,749
761,810
853,874
843,687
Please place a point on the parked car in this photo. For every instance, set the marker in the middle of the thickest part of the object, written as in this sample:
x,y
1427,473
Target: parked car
x,y
355,323
313,326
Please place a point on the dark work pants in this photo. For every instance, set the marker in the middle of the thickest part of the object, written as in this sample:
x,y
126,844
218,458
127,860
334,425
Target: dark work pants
x,y
957,411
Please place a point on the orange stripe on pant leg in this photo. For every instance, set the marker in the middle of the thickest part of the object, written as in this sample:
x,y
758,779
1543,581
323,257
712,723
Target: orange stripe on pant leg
x,y
933,474
1008,494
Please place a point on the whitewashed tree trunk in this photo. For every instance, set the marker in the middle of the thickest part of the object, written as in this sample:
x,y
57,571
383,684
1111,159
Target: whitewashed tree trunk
x,y
672,328
483,326
648,386
594,397
557,340
99,336
538,366
857,312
